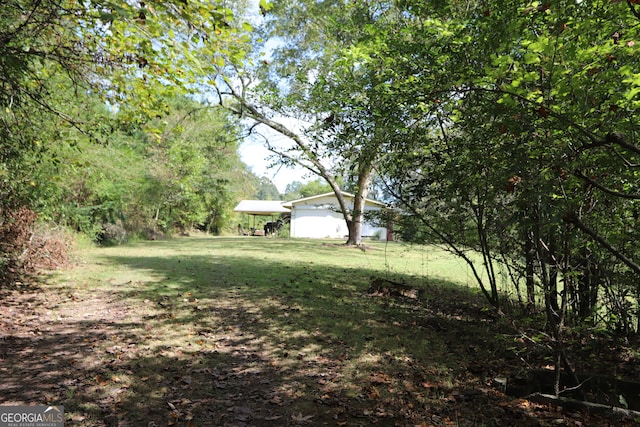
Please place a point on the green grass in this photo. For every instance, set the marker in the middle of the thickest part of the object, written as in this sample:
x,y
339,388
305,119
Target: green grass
x,y
198,310
230,331
379,256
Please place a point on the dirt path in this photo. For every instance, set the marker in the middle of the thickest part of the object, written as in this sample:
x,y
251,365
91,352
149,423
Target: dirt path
x,y
92,353
55,344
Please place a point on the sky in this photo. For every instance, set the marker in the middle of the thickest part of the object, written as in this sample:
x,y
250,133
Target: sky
x,y
254,153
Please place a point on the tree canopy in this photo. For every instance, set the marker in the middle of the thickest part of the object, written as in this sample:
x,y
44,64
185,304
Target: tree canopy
x,y
521,143
100,124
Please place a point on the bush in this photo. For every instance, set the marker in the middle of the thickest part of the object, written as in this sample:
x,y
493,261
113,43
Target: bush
x,y
112,234
152,234
25,249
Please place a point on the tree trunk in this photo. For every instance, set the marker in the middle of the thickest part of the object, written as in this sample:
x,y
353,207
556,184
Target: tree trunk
x,y
357,214
353,217
530,259
487,262
355,225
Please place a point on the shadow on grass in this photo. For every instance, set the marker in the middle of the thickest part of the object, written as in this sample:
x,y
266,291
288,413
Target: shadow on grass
x,y
228,340
56,366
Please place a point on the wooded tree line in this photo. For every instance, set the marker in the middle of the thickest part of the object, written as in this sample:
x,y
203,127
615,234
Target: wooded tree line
x,y
100,130
501,128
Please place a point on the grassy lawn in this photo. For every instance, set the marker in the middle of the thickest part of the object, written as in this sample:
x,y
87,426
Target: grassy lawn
x,y
203,331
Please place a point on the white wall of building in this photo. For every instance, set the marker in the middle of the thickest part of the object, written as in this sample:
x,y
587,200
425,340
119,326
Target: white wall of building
x,y
319,218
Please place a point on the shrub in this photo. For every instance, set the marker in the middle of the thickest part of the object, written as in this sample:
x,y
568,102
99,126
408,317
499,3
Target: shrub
x,y
25,248
16,231
112,234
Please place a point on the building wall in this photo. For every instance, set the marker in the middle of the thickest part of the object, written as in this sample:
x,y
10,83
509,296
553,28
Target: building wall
x,y
319,219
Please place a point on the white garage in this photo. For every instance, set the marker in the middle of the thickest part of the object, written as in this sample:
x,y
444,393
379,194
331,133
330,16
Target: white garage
x,y
320,217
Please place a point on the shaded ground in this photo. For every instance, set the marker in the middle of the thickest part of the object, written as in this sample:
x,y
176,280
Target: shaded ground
x,y
130,356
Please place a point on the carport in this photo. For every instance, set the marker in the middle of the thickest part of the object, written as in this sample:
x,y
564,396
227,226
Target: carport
x,y
270,208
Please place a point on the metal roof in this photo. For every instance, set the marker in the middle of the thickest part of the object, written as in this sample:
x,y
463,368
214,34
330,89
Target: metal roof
x,y
330,194
261,207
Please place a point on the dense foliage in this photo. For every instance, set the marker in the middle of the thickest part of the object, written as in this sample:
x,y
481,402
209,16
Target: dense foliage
x,y
522,144
97,131
137,181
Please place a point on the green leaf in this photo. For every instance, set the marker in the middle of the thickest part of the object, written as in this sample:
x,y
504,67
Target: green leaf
x,y
531,58
265,5
631,94
537,46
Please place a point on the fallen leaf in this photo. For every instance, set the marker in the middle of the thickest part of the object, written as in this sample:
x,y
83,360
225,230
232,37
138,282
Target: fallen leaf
x,y
379,378
303,419
101,380
373,394
276,400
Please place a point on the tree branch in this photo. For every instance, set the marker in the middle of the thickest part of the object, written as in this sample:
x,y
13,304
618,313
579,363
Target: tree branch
x,y
572,218
613,139
448,243
605,189
633,9
282,154
249,110
626,162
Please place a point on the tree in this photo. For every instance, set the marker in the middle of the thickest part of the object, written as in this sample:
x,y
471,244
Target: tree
x,y
298,190
115,49
522,145
197,167
293,191
266,190
120,50
328,75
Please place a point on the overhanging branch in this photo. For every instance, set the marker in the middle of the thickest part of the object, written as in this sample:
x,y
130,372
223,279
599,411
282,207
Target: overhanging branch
x,y
280,153
572,218
605,189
